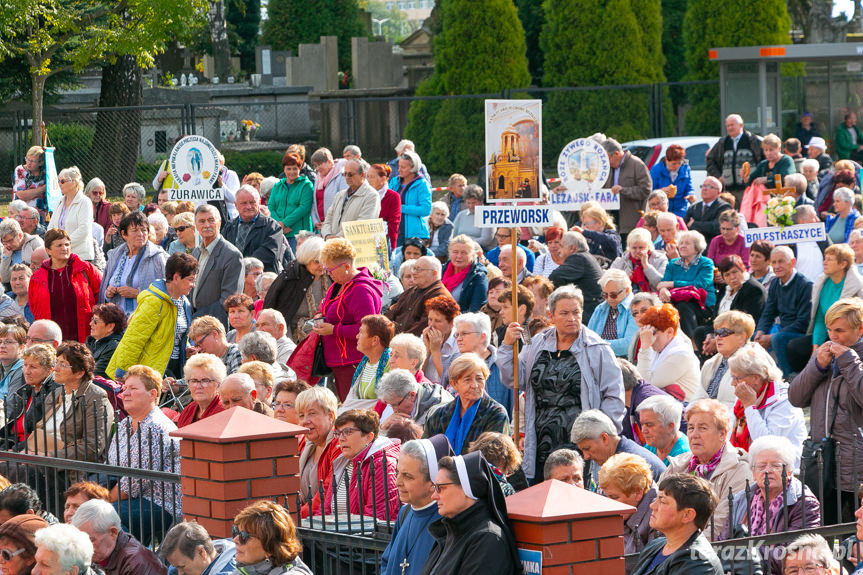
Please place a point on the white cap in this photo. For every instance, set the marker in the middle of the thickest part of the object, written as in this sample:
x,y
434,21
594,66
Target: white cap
x,y
817,142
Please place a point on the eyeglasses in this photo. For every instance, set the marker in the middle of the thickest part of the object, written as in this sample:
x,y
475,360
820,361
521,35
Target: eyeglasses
x,y
350,174
437,486
465,333
724,332
8,342
808,568
241,536
7,555
202,381
200,341
64,180
62,364
416,269
769,467
30,339
285,405
182,228
606,295
401,401
344,432
334,268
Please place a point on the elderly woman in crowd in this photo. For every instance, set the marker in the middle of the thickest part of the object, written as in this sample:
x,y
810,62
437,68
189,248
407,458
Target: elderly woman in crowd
x,y
391,203
612,319
404,395
688,282
253,268
464,276
827,387
730,241
373,340
659,422
291,199
762,406
439,336
267,541
731,331
300,288
712,457
26,408
316,410
840,280
240,309
840,224
363,453
133,196
330,180
157,331
159,224
464,224
667,361
133,266
491,308
18,544
80,493
564,370
64,288
416,197
106,330
19,280
142,441
549,261
204,373
759,262
473,335
285,402
644,265
627,478
353,295
474,535
440,230
411,250
473,412
184,225
408,351
74,213
598,229
778,501
12,383
641,302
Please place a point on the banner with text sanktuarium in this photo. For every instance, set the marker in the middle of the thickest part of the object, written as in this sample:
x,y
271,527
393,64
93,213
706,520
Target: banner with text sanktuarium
x,y
583,168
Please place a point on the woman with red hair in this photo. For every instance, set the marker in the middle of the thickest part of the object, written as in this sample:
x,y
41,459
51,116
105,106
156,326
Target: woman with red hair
x,y
548,262
666,358
391,203
439,337
290,200
672,175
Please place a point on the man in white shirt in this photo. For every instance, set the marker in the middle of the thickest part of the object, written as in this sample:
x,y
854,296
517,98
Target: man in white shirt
x,y
810,255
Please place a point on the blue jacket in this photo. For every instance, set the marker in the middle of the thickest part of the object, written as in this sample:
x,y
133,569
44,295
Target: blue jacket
x,y
626,326
699,275
661,178
416,207
791,303
474,290
849,222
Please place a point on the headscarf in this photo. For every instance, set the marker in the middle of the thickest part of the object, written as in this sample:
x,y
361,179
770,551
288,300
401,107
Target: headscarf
x,y
479,483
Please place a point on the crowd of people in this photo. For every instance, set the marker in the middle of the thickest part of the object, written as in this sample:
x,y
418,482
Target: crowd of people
x,y
663,362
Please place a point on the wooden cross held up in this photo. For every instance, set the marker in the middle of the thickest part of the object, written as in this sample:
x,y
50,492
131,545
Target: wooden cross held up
x,y
777,189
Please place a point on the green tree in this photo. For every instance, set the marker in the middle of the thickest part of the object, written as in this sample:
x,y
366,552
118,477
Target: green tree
x,y
244,24
532,18
480,50
58,36
613,43
709,24
293,22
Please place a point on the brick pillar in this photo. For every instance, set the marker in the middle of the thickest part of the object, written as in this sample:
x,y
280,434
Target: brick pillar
x,y
234,458
577,532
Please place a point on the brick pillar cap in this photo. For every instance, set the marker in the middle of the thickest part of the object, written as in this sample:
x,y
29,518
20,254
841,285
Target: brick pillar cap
x,y
237,424
554,500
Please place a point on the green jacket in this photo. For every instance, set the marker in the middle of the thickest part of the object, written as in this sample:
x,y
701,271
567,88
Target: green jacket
x,y
291,204
844,146
149,337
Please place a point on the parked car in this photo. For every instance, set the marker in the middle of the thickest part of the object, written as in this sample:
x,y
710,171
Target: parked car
x,y
652,150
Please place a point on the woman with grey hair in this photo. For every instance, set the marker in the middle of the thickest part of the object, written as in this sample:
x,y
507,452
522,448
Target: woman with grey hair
x,y
564,370
612,319
298,290
473,335
810,553
253,268
684,280
61,548
464,222
581,269
840,224
74,214
95,191
777,502
133,196
416,197
762,407
641,261
162,230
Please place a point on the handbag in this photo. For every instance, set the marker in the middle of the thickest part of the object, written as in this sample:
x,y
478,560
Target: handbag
x,y
821,479
302,358
319,364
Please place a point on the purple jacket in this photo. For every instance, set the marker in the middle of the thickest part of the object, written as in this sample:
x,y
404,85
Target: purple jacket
x,y
345,306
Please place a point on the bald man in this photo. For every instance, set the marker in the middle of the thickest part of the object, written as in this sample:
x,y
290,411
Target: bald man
x,y
238,390
409,311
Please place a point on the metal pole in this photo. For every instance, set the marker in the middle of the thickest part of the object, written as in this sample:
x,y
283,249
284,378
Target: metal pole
x,y
514,259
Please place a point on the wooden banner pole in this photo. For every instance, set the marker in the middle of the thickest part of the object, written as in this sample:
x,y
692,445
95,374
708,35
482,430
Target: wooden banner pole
x,y
515,410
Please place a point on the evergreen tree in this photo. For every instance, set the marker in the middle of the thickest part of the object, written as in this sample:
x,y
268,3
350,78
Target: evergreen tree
x,y
294,22
244,23
532,18
480,50
613,43
709,24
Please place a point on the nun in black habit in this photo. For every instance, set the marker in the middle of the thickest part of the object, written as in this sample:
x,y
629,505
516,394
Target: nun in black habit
x,y
473,535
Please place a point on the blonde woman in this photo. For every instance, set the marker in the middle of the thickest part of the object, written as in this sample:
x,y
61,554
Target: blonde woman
x,y
74,213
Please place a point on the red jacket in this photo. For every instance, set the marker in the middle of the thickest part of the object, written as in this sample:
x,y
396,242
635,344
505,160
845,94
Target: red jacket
x,y
391,213
325,473
86,279
384,494
187,416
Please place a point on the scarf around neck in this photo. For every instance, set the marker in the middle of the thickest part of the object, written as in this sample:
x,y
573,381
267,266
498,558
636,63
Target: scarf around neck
x,y
705,470
638,276
740,435
758,515
452,279
459,426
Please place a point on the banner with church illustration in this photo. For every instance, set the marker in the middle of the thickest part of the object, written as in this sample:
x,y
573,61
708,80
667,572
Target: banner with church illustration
x,y
369,238
513,150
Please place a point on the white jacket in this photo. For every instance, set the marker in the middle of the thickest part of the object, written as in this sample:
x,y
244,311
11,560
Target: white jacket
x,y
78,224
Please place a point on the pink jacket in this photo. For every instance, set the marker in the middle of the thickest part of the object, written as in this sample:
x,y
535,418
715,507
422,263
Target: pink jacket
x,y
383,495
355,300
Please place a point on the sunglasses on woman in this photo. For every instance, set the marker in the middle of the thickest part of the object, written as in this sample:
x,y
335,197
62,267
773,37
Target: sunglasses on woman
x,y
241,536
7,555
